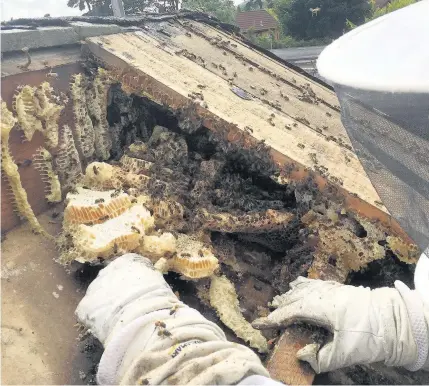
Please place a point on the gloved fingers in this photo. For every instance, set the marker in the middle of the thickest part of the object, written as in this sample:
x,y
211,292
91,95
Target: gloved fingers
x,y
320,359
311,290
302,281
309,354
292,314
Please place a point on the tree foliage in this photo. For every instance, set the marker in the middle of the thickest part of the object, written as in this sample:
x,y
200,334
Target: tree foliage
x,y
328,21
390,7
253,4
103,7
224,10
281,9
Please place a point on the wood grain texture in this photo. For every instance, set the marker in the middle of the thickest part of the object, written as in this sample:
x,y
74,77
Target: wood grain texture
x,y
282,363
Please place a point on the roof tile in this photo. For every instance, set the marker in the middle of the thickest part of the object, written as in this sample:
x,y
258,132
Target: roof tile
x,y
258,20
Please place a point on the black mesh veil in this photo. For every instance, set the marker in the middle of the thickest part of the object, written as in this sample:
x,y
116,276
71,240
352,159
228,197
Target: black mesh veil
x,y
390,133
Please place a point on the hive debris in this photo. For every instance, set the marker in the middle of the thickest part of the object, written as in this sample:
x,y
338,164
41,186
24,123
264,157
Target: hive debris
x,y
223,299
10,169
43,163
408,253
87,206
339,250
256,222
83,128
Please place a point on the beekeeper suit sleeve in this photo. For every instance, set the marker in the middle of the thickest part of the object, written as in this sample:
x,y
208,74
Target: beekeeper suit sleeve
x,y
150,337
387,325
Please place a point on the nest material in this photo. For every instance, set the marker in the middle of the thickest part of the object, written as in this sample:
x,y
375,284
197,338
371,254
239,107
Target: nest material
x,y
10,170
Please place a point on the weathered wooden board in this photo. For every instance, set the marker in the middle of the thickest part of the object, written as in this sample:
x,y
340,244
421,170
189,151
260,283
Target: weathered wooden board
x,y
171,65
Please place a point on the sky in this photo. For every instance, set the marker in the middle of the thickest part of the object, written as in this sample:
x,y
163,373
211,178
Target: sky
x,y
38,8
35,8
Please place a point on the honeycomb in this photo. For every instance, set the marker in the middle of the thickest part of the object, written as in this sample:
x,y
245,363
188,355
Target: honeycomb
x,y
25,108
192,259
43,163
96,98
84,130
255,222
67,161
85,206
10,169
48,110
135,165
168,214
155,247
196,266
101,175
223,298
120,234
339,250
38,109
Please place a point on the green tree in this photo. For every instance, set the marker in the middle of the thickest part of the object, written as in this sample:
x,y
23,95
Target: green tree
x,y
309,19
253,4
130,6
224,10
392,6
281,9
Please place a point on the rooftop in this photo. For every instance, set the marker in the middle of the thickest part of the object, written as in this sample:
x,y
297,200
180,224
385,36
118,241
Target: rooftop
x,y
257,20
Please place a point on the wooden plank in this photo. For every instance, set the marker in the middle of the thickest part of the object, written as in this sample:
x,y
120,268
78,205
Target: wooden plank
x,y
283,365
148,66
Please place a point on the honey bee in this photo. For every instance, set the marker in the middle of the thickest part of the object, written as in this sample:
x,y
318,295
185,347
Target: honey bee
x,y
164,333
99,200
115,248
116,193
174,309
95,169
160,324
135,229
144,381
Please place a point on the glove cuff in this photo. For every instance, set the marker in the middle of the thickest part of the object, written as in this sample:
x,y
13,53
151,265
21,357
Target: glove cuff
x,y
418,324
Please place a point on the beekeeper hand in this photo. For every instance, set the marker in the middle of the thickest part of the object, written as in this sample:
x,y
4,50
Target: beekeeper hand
x,y
150,337
385,324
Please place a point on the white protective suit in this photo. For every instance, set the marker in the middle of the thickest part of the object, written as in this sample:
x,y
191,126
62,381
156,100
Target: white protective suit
x,y
150,337
124,303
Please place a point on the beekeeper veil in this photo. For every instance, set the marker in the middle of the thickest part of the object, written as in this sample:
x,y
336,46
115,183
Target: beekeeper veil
x,y
380,72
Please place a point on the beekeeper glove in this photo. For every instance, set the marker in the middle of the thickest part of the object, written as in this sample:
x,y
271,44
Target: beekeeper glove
x,y
150,337
385,324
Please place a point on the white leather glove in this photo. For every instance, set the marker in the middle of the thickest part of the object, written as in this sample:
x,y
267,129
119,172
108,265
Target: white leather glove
x,y
121,307
385,324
